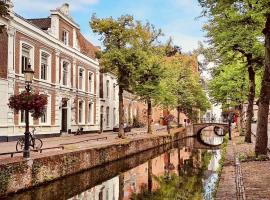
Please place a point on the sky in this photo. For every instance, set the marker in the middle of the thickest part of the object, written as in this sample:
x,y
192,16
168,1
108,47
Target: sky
x,y
176,18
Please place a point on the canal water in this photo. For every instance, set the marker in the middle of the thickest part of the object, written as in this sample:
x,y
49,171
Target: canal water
x,y
184,170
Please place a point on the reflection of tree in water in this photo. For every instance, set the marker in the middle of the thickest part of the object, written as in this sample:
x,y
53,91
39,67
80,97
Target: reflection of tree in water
x,y
187,186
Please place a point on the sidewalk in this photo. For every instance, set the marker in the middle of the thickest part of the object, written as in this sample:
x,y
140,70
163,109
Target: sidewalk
x,y
246,179
79,141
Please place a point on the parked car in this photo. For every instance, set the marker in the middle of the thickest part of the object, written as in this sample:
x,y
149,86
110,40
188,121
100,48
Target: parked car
x,y
127,128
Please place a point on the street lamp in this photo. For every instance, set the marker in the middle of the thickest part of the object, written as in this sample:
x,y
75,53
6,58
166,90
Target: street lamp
x,y
28,76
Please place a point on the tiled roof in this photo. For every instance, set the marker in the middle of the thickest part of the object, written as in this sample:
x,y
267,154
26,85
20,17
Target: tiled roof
x,y
87,48
42,23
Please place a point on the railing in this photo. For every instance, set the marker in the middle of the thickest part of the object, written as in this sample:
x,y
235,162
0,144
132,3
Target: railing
x,y
92,139
12,153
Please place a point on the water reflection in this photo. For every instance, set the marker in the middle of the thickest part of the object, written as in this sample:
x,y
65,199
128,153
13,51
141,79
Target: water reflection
x,y
184,169
211,136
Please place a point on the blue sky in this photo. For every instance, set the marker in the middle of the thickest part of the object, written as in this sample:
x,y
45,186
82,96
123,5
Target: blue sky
x,y
175,17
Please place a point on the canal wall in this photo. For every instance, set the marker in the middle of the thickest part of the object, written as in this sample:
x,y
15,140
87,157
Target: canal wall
x,y
18,174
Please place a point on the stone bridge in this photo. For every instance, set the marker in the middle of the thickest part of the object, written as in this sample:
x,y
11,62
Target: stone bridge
x,y
197,128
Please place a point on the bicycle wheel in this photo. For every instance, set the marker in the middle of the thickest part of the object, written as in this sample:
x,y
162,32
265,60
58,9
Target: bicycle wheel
x,y
20,145
38,143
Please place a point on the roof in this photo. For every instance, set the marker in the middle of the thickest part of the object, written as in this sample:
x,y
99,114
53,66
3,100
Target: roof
x,y
86,47
42,23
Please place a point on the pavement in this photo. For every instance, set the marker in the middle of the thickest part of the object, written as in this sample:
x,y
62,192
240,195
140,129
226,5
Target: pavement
x,y
73,142
248,180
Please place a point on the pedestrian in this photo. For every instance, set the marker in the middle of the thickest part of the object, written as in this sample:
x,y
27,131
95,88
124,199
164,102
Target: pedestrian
x,y
230,120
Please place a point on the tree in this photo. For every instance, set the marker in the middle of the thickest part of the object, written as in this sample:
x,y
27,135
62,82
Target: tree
x,y
232,28
149,72
229,87
118,55
184,85
258,13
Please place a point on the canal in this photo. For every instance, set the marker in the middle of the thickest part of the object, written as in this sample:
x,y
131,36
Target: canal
x,y
186,169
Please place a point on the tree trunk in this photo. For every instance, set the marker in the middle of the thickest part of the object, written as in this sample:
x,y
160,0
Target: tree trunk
x,y
251,96
178,116
241,120
261,134
149,117
121,133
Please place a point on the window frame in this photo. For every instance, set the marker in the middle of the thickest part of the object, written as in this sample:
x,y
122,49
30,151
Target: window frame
x,y
24,44
49,64
68,80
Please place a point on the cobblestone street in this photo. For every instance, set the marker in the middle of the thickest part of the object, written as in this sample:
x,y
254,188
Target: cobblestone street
x,y
243,180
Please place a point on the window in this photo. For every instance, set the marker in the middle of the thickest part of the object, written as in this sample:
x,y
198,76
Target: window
x,y
65,38
25,59
81,78
65,73
43,118
107,116
90,79
80,111
44,66
90,111
22,116
107,88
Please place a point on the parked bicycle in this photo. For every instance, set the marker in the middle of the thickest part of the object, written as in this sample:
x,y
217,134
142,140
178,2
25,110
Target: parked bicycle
x,y
35,143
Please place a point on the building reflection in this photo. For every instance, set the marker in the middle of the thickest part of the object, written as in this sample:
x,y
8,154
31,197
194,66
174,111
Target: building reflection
x,y
180,161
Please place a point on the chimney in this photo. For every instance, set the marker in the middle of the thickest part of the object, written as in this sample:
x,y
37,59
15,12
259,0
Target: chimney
x,y
65,9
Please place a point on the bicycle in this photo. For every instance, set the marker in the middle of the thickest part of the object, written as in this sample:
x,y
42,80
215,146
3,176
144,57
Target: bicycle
x,y
35,142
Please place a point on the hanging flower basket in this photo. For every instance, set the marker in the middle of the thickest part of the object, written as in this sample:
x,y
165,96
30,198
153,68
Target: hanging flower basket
x,y
35,103
169,118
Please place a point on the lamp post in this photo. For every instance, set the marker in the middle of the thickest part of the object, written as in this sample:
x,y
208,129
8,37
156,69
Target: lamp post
x,y
28,76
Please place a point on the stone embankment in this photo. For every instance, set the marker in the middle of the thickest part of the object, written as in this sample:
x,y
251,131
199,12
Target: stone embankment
x,y
17,173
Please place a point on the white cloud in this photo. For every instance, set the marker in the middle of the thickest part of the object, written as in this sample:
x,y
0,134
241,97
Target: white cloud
x,y
40,6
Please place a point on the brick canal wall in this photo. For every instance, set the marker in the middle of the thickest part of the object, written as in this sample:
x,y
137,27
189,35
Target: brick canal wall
x,y
18,173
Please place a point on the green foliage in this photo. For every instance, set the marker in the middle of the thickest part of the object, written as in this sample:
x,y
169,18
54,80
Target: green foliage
x,y
3,8
229,85
182,87
118,56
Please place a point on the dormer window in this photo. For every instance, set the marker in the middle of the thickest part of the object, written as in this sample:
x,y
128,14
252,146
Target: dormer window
x,y
65,37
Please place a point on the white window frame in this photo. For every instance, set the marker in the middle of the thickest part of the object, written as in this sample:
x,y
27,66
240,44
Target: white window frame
x,y
68,73
83,78
90,82
31,55
83,112
49,65
107,88
48,110
65,38
91,113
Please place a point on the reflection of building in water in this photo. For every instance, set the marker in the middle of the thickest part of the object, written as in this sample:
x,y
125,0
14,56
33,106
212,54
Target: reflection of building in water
x,y
108,190
158,167
135,180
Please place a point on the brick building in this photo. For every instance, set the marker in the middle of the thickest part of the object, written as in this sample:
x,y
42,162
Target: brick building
x,y
65,69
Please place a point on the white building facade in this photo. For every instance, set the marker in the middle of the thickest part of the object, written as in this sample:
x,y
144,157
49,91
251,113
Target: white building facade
x,y
66,70
109,101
